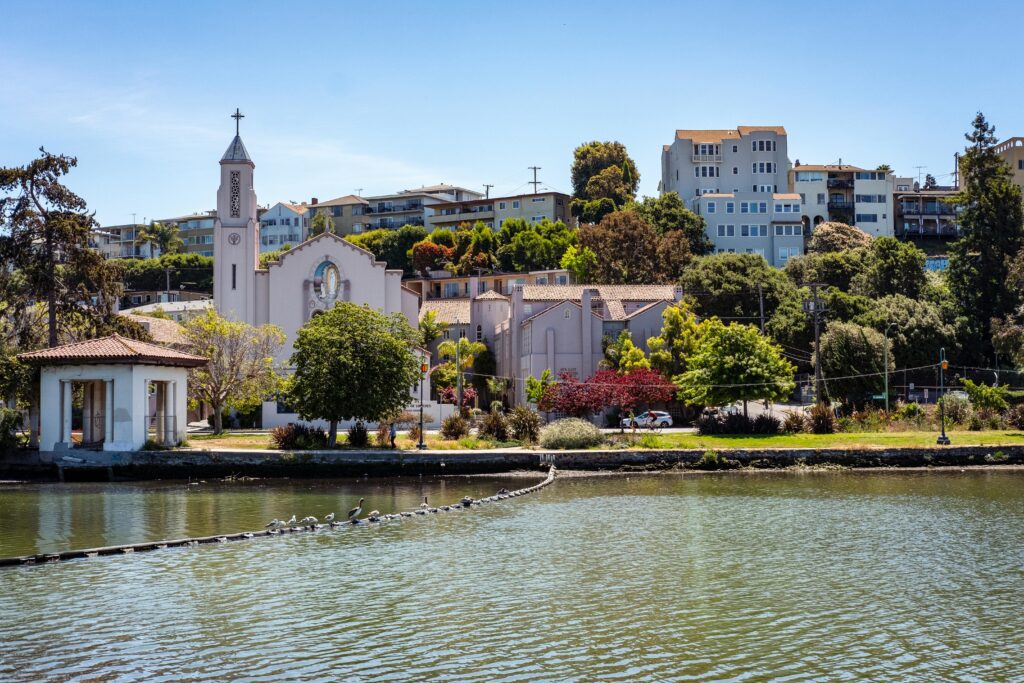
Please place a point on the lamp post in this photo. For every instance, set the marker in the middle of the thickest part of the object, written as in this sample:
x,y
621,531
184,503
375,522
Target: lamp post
x,y
885,364
423,380
943,440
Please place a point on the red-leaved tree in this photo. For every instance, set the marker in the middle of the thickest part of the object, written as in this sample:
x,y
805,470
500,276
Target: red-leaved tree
x,y
427,256
606,389
642,387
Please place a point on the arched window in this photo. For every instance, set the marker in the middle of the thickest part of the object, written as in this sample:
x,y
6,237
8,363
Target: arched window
x,y
479,332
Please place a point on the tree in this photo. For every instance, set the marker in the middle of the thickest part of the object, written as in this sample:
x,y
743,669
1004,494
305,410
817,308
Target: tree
x,y
831,268
44,247
677,341
191,271
166,238
430,328
641,387
929,182
835,236
667,213
604,170
536,386
919,329
267,257
891,267
884,167
593,210
352,362
241,367
623,355
581,262
322,222
733,363
992,221
852,361
427,256
626,250
532,246
726,286
572,397
983,396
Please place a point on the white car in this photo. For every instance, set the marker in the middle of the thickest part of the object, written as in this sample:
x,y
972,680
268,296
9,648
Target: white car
x,y
652,419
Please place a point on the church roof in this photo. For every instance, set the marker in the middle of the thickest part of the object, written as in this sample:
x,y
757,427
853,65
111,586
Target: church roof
x,y
491,295
112,349
605,292
449,311
236,151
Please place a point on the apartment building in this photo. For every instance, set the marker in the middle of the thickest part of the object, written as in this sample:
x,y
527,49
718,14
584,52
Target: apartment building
x,y
347,212
769,226
353,214
122,241
1012,150
444,285
195,230
283,223
922,213
847,194
493,212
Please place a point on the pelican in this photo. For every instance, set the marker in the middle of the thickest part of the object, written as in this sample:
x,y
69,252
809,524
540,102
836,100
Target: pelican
x,y
502,491
290,522
329,518
305,521
466,501
354,512
424,504
273,524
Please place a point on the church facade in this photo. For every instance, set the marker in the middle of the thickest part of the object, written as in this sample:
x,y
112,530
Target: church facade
x,y
307,279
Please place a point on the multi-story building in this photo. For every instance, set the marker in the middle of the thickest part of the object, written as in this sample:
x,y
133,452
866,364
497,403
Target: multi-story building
x,y
196,231
553,206
283,223
847,194
348,213
1012,150
411,207
769,226
923,213
122,241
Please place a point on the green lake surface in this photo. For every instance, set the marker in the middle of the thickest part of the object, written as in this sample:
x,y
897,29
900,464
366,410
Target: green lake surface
x,y
887,576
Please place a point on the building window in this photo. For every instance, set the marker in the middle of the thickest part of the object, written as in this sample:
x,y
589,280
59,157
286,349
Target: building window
x,y
501,206
906,188
730,207
869,198
567,314
515,203
711,207
808,176
735,170
869,175
445,334
821,198
735,149
539,199
866,218
479,332
451,289
786,253
234,276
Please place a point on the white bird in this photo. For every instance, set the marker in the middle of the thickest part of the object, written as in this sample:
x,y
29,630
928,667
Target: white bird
x,y
329,518
424,504
290,522
354,512
374,513
307,520
272,524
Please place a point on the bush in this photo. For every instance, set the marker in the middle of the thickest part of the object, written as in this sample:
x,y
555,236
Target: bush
x,y
984,396
975,423
523,425
990,418
724,423
358,436
571,432
454,427
908,411
794,423
494,425
767,424
414,433
957,408
1015,417
822,419
298,437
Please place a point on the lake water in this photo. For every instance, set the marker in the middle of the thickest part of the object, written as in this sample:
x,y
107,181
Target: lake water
x,y
868,576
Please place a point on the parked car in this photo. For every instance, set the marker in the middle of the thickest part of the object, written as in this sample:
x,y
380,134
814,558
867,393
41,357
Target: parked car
x,y
652,419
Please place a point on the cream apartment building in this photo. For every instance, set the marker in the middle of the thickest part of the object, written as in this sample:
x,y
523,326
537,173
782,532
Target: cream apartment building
x,y
1012,151
847,194
494,211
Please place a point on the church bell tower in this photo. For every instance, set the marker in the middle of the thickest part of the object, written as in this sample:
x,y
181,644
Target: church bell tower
x,y
236,234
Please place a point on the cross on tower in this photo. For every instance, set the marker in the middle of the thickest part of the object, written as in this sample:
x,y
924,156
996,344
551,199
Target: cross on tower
x,y
237,116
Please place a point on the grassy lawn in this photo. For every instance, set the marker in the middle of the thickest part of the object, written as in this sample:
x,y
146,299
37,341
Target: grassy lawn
x,y
853,440
262,442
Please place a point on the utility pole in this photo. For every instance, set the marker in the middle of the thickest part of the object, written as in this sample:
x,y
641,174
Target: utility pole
x,y
919,174
167,284
956,170
458,377
534,182
815,306
885,363
760,299
487,190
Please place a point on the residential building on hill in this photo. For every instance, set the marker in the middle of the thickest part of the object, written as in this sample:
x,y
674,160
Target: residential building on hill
x,y
347,212
283,223
444,285
1012,150
122,241
195,230
769,226
493,211
923,213
353,214
847,194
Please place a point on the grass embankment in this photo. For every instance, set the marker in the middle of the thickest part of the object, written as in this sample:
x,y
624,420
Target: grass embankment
x,y
260,442
855,440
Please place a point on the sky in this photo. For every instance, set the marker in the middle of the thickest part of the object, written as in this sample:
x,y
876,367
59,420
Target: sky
x,y
384,96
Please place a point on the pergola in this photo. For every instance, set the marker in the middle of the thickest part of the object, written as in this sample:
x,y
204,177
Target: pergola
x,y
132,392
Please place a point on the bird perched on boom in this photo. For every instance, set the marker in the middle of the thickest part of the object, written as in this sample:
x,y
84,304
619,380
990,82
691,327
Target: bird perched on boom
x,y
356,511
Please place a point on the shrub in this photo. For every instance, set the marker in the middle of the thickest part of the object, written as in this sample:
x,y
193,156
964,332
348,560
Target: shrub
x,y
298,437
908,411
494,425
870,420
984,396
794,423
957,408
822,419
990,418
1015,417
767,424
454,427
10,422
571,432
724,423
414,433
383,436
975,423
358,436
523,425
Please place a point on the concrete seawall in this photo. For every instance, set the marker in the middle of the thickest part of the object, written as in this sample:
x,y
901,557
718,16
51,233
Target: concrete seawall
x,y
180,464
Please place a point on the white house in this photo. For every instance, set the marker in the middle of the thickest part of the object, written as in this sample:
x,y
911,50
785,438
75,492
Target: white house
x,y
283,223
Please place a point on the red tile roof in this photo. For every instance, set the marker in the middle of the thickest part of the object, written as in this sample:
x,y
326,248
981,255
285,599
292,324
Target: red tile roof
x,y
112,349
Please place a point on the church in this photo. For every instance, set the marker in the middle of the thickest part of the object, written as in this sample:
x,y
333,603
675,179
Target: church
x,y
309,278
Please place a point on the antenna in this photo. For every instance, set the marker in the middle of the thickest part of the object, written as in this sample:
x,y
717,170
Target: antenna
x,y
534,182
919,173
487,190
359,191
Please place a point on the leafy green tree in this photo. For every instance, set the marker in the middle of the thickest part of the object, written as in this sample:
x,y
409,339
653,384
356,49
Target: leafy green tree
x,y
604,170
592,210
622,355
677,341
983,396
397,251
443,376
189,271
536,387
667,213
884,167
992,220
467,351
892,267
322,222
852,361
581,262
734,363
831,268
726,286
532,246
267,257
929,182
431,328
835,236
166,238
919,329
45,232
627,250
633,358
352,362
241,368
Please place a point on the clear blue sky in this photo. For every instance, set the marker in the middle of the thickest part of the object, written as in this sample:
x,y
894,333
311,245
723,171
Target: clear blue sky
x,y
385,96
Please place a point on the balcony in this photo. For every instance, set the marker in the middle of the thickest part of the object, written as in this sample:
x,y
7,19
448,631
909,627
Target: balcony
x,y
840,183
927,210
840,206
395,208
463,217
713,158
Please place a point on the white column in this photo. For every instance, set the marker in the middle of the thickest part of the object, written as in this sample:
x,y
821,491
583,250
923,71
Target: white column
x,y
159,412
65,397
170,414
87,412
108,411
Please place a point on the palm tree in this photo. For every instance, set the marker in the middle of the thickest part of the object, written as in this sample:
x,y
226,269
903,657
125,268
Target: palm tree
x,y
467,351
431,328
165,237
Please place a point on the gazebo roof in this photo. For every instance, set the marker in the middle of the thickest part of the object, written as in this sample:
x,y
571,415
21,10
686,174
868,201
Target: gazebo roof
x,y
113,349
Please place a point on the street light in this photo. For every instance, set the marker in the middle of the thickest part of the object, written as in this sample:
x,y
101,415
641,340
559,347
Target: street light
x,y
423,379
885,364
943,440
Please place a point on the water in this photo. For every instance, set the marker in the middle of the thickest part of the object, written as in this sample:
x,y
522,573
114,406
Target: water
x,y
868,576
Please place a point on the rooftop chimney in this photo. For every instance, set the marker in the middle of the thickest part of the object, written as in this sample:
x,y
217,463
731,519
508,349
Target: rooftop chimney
x,y
314,201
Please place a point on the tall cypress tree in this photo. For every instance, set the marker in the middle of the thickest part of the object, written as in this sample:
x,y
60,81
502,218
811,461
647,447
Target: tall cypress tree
x,y
992,220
